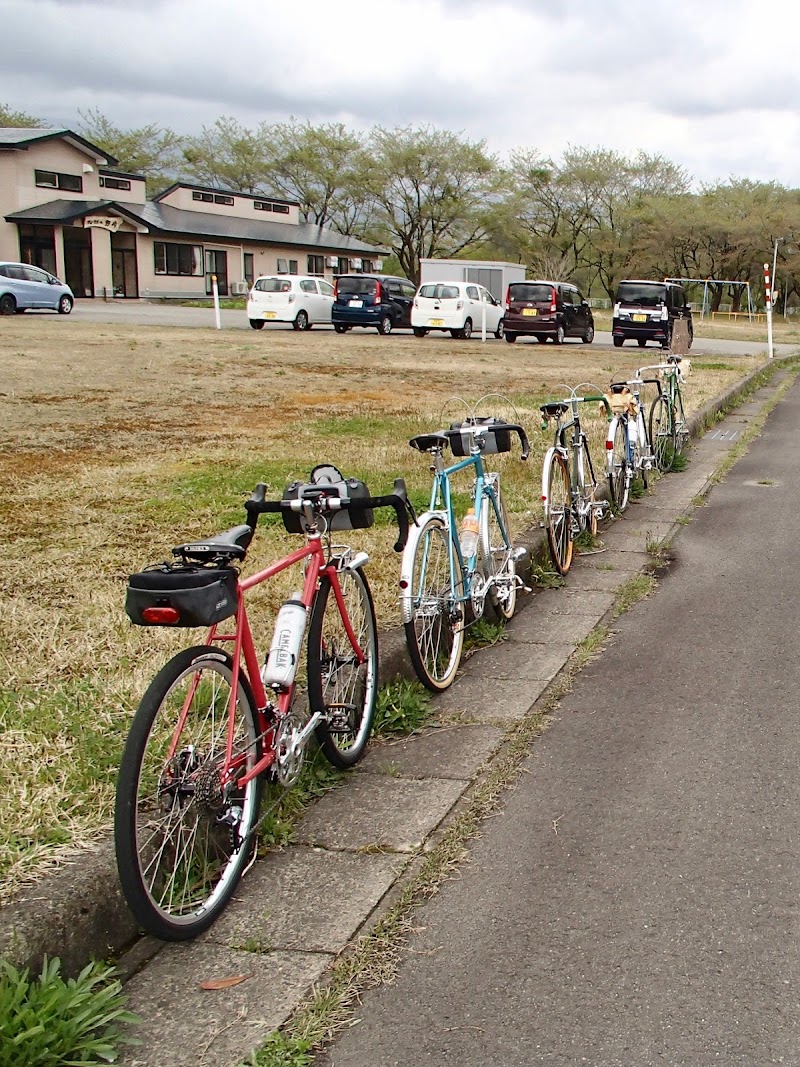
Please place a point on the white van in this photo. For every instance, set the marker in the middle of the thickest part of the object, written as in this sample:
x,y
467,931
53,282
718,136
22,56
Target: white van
x,y
455,306
302,301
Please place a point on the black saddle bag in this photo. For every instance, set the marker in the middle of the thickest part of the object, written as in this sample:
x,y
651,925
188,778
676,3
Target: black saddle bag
x,y
326,477
201,596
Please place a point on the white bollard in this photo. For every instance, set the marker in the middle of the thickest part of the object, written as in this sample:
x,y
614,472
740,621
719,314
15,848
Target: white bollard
x,y
483,320
215,294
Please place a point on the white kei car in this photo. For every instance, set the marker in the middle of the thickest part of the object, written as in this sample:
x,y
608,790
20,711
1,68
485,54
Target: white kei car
x,y
303,301
455,306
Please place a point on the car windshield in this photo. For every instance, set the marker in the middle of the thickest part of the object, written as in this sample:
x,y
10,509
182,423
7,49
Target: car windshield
x,y
355,286
439,292
642,294
534,293
273,285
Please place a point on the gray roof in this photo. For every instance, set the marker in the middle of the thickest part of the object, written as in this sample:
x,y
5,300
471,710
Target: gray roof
x,y
161,218
19,137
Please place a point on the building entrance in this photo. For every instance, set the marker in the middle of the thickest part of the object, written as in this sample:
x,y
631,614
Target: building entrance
x,y
78,273
124,272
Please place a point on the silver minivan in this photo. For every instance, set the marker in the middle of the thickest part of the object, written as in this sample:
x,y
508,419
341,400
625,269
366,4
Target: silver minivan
x,y
23,286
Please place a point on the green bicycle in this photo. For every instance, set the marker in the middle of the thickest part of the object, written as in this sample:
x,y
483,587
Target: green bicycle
x,y
667,423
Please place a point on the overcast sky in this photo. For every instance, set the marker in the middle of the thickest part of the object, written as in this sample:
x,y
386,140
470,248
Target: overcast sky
x,y
714,85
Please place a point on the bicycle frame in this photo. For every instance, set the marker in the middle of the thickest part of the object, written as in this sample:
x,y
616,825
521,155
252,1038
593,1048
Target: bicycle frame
x,y
441,502
316,566
575,449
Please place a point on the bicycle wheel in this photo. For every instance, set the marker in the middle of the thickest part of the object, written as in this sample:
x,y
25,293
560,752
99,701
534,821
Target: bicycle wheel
x,y
619,473
681,428
433,620
558,511
343,690
661,424
182,841
497,557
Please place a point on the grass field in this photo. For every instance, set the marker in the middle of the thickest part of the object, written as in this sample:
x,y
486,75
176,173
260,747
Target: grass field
x,y
120,441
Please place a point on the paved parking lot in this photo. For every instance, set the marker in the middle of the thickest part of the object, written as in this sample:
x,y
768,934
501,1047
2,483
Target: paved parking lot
x,y
144,314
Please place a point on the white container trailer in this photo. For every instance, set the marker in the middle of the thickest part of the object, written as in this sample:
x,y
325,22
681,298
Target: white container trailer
x,y
491,274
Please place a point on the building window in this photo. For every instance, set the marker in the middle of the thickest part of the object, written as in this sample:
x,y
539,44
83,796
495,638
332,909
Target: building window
x,y
366,266
316,265
177,259
226,200
49,179
282,268
342,265
269,205
249,271
207,198
293,266
114,183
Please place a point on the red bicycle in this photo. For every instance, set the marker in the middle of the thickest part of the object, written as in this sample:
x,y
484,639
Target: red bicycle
x,y
214,724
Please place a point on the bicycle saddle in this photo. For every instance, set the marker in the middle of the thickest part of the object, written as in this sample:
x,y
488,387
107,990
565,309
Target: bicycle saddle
x,y
429,442
232,543
554,409
674,359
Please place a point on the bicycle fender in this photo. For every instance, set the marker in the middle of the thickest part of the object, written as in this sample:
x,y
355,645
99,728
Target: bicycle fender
x,y
407,562
545,467
612,430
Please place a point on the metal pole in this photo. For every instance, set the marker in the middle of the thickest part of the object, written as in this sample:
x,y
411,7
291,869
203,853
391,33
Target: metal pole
x,y
215,294
483,320
768,292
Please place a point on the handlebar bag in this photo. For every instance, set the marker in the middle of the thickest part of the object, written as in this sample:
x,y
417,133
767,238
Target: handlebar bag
x,y
496,438
327,478
202,596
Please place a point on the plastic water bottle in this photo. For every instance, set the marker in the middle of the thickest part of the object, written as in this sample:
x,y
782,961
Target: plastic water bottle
x,y
290,625
469,534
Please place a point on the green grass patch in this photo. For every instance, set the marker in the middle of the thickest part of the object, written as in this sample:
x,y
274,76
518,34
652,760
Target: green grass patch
x,y
403,707
52,1022
635,589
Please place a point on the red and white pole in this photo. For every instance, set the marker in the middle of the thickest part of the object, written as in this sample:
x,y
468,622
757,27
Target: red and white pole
x,y
768,292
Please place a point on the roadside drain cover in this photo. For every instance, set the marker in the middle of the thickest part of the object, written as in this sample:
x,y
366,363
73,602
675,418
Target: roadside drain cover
x,y
722,435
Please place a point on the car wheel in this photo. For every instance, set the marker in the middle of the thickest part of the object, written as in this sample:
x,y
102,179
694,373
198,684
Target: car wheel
x,y
385,325
340,327
8,304
641,342
558,339
301,321
618,341
420,331
541,338
257,324
511,338
500,331
466,333
65,305
588,335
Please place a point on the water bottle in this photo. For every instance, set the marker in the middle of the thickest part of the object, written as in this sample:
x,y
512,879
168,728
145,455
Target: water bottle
x,y
469,534
290,625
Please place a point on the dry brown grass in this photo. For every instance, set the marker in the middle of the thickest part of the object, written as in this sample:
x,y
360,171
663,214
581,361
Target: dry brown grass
x,y
119,441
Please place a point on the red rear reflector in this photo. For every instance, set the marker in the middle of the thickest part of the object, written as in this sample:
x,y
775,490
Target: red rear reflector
x,y
161,616
610,446
403,583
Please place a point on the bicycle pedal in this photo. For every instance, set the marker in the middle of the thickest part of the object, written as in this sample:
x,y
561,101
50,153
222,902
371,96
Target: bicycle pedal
x,y
519,554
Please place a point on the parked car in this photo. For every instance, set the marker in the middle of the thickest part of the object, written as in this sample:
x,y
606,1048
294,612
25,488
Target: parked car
x,y
378,300
543,309
647,311
455,306
303,301
23,286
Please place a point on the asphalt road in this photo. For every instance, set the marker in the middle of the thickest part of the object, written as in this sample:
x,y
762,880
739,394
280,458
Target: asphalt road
x,y
168,315
636,900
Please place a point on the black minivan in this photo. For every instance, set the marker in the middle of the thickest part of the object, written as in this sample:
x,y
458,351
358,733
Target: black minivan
x,y
378,300
647,311
543,309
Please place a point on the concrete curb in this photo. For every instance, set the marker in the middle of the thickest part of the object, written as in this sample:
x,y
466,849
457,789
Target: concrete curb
x,y
79,913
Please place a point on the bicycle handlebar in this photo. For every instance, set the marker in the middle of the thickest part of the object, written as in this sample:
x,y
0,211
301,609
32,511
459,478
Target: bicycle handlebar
x,y
320,501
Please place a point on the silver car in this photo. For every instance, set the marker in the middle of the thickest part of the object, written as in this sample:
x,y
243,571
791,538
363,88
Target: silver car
x,y
23,286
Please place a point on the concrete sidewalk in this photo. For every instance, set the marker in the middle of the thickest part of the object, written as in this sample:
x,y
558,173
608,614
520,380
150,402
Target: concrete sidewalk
x,y
298,909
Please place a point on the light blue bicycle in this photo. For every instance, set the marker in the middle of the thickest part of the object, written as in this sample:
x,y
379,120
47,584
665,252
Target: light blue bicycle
x,y
443,585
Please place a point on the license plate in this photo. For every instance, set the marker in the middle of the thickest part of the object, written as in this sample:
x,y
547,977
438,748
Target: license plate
x,y
269,314
639,318
529,311
356,303
436,322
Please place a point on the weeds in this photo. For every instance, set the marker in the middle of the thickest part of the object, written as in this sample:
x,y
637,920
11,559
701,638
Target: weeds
x,y
51,1022
635,589
403,707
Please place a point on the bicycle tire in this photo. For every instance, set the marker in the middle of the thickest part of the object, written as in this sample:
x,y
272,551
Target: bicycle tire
x,y
558,511
340,688
433,623
661,426
497,559
681,433
167,841
619,473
